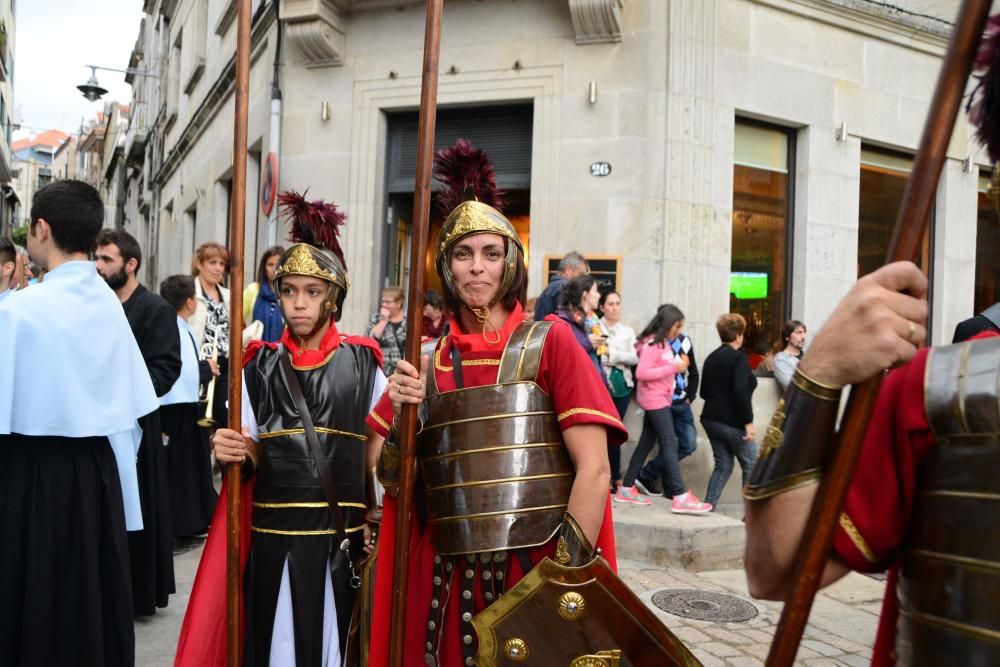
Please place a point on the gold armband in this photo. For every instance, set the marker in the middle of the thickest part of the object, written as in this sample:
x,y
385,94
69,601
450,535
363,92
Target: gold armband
x,y
797,443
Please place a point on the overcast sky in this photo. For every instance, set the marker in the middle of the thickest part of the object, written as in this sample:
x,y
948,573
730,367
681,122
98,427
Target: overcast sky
x,y
54,39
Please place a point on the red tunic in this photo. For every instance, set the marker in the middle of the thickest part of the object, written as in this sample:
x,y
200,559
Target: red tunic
x,y
579,397
876,514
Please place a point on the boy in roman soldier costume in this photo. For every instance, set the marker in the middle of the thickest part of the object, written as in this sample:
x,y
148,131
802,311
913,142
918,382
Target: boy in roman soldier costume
x,y
512,456
923,500
303,446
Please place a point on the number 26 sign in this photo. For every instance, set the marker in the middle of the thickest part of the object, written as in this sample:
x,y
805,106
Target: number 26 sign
x,y
600,169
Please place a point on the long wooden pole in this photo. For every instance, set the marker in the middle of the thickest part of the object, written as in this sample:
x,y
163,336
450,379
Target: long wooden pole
x,y
911,226
414,320
236,236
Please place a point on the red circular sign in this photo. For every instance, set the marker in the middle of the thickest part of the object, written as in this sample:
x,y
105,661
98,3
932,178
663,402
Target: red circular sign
x,y
269,184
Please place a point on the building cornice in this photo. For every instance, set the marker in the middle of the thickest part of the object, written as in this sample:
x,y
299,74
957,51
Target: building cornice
x,y
596,21
862,18
214,100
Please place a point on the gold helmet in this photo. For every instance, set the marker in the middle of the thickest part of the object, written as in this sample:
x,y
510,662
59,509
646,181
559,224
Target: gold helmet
x,y
471,202
316,252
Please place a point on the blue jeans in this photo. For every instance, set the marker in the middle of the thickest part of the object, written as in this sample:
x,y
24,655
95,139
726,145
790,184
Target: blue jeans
x,y
687,438
658,425
727,444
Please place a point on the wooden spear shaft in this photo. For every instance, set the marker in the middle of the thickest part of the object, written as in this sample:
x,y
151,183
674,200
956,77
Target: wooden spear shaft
x,y
414,321
236,236
911,226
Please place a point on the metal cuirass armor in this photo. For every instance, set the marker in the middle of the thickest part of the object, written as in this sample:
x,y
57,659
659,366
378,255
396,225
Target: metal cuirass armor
x,y
949,579
496,471
288,496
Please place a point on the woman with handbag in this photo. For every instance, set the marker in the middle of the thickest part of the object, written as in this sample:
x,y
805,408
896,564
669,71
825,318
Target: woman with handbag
x,y
619,358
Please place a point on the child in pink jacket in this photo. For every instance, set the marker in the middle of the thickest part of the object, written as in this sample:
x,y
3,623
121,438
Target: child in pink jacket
x,y
658,366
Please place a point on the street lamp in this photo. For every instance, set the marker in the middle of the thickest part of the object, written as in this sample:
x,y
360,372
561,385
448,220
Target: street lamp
x,y
93,90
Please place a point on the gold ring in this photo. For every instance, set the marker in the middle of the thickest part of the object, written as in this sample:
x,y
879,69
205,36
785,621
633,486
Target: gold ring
x,y
912,331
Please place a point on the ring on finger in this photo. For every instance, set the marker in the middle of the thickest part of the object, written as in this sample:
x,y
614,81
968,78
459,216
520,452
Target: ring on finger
x,y
911,333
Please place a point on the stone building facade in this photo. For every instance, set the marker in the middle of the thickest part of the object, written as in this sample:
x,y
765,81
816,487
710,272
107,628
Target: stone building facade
x,y
717,154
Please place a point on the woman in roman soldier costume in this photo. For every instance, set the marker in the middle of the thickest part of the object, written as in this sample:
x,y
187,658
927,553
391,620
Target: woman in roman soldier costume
x,y
303,453
512,454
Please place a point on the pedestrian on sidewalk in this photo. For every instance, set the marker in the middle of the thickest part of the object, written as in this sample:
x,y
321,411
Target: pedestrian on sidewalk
x,y
211,318
788,352
617,361
260,303
727,386
658,364
579,303
189,453
152,321
388,327
685,391
570,266
73,384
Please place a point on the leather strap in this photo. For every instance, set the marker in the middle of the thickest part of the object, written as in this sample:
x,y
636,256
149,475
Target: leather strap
x,y
295,389
456,366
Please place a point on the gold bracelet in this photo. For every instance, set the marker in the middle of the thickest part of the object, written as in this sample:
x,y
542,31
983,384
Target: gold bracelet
x,y
815,388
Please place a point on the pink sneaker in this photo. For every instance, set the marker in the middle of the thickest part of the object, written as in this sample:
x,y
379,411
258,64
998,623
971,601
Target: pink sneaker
x,y
629,494
688,503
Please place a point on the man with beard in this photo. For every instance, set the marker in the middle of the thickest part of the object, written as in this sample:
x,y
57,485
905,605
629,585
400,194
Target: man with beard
x,y
153,324
67,448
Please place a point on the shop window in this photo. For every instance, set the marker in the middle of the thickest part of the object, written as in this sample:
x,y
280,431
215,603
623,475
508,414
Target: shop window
x,y
883,179
987,243
762,196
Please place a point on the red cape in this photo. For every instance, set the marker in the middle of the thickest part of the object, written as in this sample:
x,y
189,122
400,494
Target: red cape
x,y
202,642
382,612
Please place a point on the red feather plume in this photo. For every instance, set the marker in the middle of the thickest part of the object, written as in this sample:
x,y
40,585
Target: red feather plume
x,y
466,172
984,102
314,222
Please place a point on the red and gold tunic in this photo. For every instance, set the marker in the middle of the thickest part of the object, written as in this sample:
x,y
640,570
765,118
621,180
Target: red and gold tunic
x,y
578,396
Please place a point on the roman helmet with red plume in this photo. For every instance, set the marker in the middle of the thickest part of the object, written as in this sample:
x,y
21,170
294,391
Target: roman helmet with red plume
x,y
471,202
316,252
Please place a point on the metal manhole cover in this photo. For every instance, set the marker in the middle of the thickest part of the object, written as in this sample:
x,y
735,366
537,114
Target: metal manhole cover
x,y
704,605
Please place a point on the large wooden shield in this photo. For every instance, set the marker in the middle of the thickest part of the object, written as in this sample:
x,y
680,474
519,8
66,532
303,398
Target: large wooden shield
x,y
575,617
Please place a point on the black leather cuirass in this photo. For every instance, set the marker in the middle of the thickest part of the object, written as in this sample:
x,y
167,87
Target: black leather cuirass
x,y
288,497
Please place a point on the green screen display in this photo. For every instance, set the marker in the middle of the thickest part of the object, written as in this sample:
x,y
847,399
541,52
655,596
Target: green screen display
x,y
748,285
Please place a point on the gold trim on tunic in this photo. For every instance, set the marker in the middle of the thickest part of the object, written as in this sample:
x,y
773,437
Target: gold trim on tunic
x,y
315,366
857,538
319,429
783,484
438,364
378,420
588,411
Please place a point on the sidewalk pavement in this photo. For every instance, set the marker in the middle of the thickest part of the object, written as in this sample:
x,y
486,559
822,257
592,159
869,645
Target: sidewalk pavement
x,y
841,629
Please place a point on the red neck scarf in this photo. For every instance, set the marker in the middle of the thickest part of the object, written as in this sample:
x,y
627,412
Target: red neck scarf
x,y
311,357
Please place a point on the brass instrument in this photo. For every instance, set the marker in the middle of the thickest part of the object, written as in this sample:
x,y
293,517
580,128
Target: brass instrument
x,y
209,350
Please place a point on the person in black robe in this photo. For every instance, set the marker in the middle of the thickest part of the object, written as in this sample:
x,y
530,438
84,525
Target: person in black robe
x,y
189,454
72,385
153,324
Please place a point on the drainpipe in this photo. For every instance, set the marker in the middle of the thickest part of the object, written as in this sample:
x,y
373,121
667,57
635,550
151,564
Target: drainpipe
x,y
269,185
